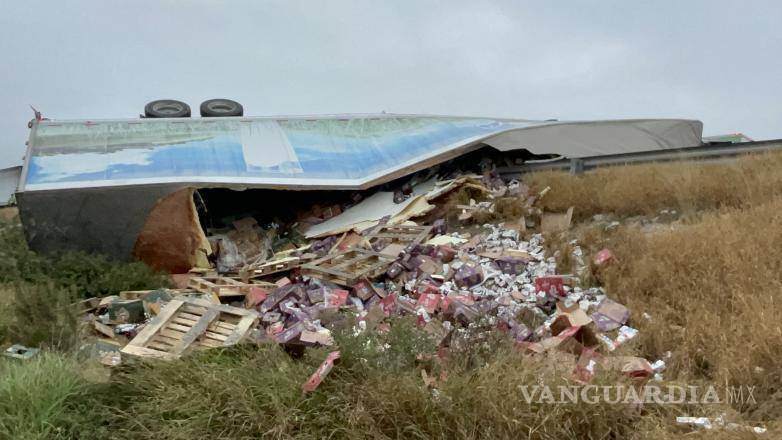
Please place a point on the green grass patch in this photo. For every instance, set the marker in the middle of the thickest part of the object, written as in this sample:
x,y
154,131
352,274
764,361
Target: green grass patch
x,y
41,398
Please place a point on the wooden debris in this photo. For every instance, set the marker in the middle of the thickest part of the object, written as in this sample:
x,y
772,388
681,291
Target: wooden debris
x,y
87,305
393,250
506,253
104,329
280,262
142,294
220,287
348,267
263,284
405,235
468,211
446,240
349,240
271,267
183,324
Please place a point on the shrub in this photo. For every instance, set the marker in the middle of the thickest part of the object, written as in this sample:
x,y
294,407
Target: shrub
x,y
96,275
88,275
16,259
42,315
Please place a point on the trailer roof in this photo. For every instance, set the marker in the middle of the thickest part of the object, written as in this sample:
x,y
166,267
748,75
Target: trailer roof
x,y
333,151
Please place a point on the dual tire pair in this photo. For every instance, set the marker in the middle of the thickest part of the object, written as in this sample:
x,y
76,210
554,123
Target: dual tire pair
x,y
214,108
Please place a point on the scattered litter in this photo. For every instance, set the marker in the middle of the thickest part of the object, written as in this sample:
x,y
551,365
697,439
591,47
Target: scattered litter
x,y
446,253
717,423
559,222
317,377
604,257
18,351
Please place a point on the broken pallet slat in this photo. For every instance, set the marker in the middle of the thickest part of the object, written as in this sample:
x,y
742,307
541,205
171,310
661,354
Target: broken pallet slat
x,y
141,294
349,266
219,286
134,350
154,326
239,332
272,267
348,263
195,331
406,235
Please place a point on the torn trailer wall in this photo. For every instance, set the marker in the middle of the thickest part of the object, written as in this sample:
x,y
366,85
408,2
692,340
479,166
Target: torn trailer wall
x,y
94,185
99,220
172,239
164,226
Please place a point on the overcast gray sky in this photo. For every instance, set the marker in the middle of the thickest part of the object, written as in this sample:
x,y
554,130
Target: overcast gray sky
x,y
717,61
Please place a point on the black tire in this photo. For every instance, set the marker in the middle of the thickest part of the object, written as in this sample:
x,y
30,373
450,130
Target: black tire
x,y
167,108
215,108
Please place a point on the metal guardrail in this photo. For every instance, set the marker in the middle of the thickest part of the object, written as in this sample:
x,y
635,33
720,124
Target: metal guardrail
x,y
701,152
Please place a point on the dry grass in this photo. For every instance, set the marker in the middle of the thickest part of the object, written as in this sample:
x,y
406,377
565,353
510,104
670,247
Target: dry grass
x,y
712,289
711,282
646,189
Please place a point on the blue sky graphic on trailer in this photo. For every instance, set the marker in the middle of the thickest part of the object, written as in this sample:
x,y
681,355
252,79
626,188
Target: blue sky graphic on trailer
x,y
293,148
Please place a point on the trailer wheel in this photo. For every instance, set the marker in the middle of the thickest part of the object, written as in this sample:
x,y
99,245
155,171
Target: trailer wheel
x,y
167,108
214,108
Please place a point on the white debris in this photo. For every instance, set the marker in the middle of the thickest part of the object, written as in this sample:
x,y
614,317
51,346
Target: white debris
x,y
717,422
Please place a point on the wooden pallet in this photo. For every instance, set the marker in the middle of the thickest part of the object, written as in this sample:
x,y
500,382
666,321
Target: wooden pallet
x,y
263,284
183,324
348,267
271,267
399,234
219,287
142,294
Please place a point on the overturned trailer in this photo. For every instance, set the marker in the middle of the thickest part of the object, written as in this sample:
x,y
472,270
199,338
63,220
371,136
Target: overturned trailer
x,y
125,188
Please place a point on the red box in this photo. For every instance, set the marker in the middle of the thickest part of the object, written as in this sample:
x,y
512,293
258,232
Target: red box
x,y
552,285
429,301
337,297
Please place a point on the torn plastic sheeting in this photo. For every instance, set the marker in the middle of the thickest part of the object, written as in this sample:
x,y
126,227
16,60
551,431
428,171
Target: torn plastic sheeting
x,y
227,252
